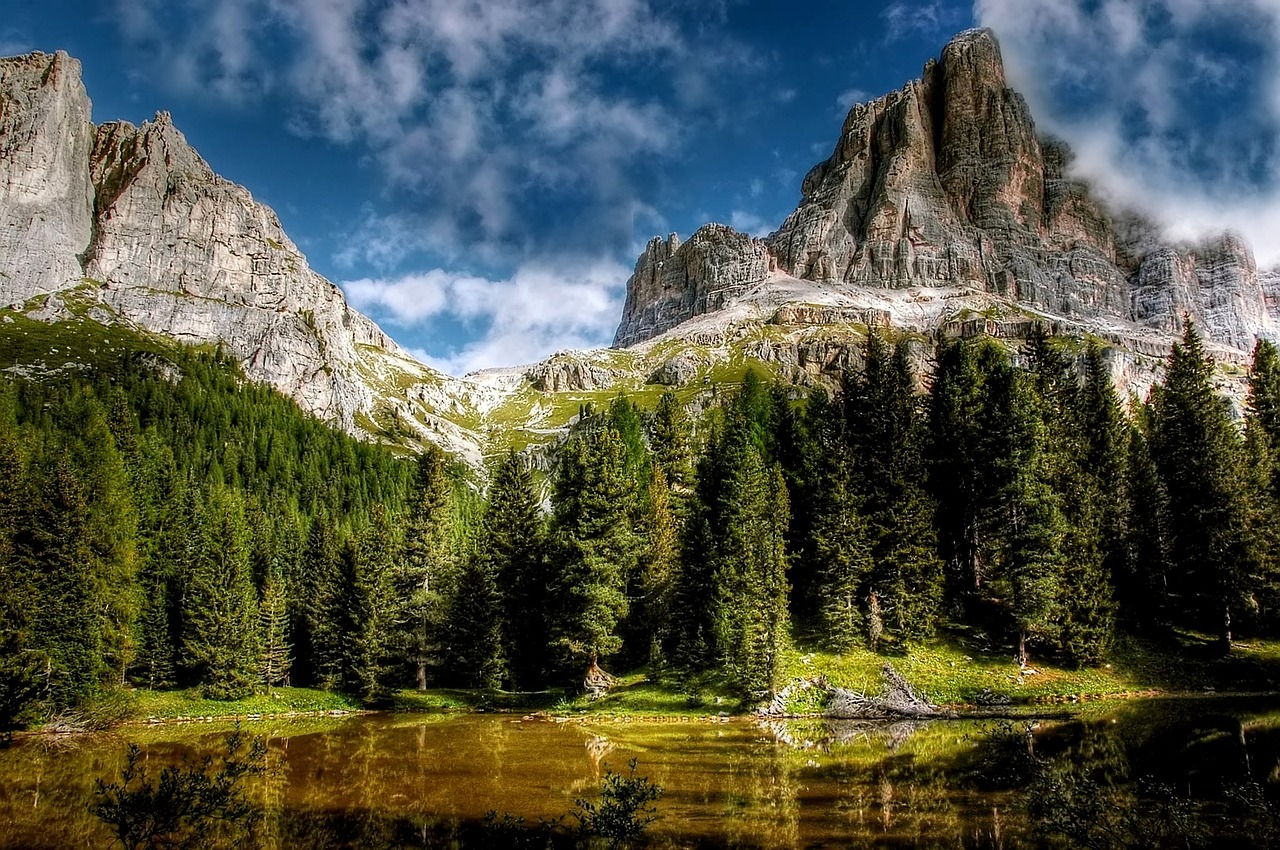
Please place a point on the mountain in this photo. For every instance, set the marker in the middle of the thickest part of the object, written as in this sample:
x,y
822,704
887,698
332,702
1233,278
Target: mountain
x,y
941,211
126,225
940,198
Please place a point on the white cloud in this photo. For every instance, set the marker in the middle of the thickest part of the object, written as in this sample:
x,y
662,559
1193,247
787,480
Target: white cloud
x,y
1152,136
538,310
847,98
477,107
745,221
910,18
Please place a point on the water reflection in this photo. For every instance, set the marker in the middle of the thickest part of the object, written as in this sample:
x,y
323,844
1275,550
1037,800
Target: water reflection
x,y
414,781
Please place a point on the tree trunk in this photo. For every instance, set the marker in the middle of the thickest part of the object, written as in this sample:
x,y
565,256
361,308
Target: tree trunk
x,y
1224,641
1023,658
422,674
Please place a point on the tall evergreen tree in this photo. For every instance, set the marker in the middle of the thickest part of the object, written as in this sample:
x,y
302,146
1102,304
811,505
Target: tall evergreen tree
x,y
511,539
671,435
1143,589
1198,454
654,611
53,551
474,636
427,565
596,546
885,430
321,627
749,614
1032,561
370,569
841,550
219,605
273,629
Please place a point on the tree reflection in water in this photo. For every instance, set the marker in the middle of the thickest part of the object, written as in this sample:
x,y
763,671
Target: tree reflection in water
x,y
415,781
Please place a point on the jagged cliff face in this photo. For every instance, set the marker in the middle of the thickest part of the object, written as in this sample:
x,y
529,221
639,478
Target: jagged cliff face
x,y
46,198
132,220
945,184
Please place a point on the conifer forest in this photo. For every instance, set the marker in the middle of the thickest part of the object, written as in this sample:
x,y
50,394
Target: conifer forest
x,y
164,523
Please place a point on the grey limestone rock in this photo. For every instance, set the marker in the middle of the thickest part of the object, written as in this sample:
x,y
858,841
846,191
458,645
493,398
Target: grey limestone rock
x,y
677,371
567,372
134,219
674,282
46,197
947,184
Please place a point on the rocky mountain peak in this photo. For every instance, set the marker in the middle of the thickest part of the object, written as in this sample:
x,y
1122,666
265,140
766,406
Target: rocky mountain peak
x,y
133,221
45,139
946,184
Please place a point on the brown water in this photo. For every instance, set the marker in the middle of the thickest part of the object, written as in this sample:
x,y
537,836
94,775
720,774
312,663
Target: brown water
x,y
383,781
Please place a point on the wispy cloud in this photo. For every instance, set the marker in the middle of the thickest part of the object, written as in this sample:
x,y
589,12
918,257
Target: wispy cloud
x,y
482,109
1172,106
538,310
906,19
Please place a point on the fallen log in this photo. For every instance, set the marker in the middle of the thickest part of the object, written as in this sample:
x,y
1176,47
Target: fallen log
x,y
897,700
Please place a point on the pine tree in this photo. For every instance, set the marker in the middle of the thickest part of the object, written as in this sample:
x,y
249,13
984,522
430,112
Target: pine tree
x,y
1262,453
372,604
1198,455
596,546
671,435
323,625
1143,589
273,628
749,596
885,431
65,627
474,638
219,605
659,566
511,539
427,565
1093,480
970,463
1032,560
20,663
842,553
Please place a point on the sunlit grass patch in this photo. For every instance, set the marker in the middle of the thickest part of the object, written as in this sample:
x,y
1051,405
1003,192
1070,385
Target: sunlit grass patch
x,y
172,705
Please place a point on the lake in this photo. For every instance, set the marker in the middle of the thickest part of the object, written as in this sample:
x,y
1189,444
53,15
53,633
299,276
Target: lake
x,y
415,780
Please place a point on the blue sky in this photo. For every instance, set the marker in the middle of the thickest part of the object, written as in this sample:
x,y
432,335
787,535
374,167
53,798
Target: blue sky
x,y
479,175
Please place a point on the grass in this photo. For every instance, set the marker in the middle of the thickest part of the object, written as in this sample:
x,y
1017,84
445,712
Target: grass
x,y
175,705
959,666
954,669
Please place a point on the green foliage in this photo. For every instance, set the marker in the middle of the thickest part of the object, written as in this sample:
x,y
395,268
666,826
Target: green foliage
x,y
511,540
474,639
220,640
273,631
654,610
625,809
427,566
197,804
671,435
596,547
1198,455
369,566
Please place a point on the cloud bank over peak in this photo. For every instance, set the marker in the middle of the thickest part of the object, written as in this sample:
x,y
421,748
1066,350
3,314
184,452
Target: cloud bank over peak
x,y
539,309
1171,106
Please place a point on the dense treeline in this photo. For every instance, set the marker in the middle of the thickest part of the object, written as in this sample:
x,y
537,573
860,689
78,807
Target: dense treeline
x,y
200,531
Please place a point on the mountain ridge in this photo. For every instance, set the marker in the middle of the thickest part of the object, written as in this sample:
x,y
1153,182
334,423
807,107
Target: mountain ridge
x,y
941,212
946,184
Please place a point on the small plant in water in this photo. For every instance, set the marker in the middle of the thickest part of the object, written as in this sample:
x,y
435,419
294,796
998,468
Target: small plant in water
x,y
624,810
194,804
